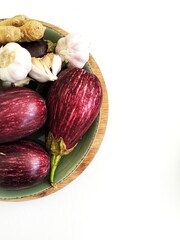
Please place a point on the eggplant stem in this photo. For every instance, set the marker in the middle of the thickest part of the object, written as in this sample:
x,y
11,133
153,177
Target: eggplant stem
x,y
57,149
54,163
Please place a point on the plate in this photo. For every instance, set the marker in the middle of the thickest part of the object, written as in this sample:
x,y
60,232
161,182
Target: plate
x,y
72,165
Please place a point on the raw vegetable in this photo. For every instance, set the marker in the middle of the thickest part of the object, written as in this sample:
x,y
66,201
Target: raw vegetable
x,y
32,30
22,112
16,21
10,34
15,62
46,68
73,103
22,164
73,49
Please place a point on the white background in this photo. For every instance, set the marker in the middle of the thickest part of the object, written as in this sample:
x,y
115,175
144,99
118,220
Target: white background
x,y
131,190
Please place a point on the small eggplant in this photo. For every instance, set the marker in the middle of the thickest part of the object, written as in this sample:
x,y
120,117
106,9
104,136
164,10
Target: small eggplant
x,y
22,164
22,112
73,103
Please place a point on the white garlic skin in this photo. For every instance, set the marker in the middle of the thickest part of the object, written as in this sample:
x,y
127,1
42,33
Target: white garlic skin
x,y
56,64
21,83
73,49
46,68
15,62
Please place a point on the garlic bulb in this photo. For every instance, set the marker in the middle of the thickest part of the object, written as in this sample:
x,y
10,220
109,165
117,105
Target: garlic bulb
x,y
73,49
46,68
15,62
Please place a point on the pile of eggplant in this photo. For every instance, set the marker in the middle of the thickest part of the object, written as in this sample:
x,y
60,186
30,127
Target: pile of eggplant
x,y
64,110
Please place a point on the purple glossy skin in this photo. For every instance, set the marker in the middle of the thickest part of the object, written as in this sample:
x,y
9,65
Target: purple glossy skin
x,y
37,48
22,112
73,103
22,164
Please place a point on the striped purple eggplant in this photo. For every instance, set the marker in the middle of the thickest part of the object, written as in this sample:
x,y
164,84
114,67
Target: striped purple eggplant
x,y
23,164
22,112
73,103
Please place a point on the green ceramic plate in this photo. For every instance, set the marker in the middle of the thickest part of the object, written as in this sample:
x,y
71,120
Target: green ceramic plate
x,y
73,164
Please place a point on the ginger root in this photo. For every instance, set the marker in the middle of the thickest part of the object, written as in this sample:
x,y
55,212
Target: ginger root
x,y
20,29
16,21
32,31
10,34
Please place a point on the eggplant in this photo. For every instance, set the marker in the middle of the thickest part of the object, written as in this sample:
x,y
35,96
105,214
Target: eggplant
x,y
23,164
73,103
22,112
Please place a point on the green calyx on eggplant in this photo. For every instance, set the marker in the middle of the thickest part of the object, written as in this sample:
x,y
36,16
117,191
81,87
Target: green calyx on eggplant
x,y
23,164
57,148
74,101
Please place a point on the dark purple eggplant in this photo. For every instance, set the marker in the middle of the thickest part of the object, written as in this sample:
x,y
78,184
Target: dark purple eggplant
x,y
37,48
23,164
22,112
73,103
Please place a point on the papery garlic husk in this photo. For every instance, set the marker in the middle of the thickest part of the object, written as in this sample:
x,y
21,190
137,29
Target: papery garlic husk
x,y
46,68
15,62
73,49
21,83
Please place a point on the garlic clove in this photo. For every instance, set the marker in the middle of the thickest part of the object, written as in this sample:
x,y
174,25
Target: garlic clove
x,y
73,49
39,72
56,64
46,68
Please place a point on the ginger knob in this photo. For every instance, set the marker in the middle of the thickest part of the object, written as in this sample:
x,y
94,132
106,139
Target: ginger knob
x,y
10,34
32,30
15,21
